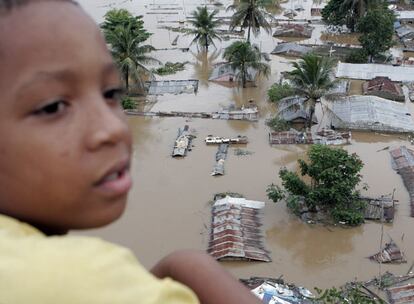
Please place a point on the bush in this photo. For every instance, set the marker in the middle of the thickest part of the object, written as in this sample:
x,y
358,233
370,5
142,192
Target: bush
x,y
170,68
357,56
333,175
280,91
277,124
127,103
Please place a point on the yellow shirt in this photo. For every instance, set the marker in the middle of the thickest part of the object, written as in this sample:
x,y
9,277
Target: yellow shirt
x,y
37,269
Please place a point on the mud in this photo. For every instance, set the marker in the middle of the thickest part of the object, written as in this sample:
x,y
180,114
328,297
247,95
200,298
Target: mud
x,y
169,205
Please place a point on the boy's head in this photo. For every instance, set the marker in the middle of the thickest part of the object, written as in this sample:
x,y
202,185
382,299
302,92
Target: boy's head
x,y
65,145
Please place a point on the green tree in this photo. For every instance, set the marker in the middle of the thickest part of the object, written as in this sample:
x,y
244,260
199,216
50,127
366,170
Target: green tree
x,y
130,55
334,175
348,12
312,78
205,27
377,29
242,57
251,14
125,34
123,18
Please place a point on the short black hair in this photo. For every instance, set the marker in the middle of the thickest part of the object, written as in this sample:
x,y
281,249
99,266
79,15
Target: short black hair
x,y
8,5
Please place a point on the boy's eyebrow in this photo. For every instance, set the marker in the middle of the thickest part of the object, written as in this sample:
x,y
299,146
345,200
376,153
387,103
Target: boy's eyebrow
x,y
64,75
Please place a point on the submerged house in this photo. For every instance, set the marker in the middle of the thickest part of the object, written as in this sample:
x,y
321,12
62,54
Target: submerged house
x,y
292,109
383,87
175,87
236,232
371,113
293,30
291,49
223,72
369,71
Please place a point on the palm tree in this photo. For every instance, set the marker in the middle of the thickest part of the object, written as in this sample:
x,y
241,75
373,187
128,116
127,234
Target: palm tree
x,y
129,54
205,27
250,14
242,56
311,78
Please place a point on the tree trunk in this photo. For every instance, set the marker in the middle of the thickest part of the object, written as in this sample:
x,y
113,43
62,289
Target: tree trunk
x,y
248,33
206,41
243,71
127,81
311,113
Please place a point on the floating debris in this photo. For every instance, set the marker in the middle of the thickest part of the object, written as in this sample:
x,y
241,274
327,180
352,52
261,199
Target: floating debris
x,y
235,230
403,163
244,113
221,156
390,254
216,140
183,142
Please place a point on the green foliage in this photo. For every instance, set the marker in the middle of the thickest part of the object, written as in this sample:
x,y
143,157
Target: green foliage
x,y
357,56
333,13
125,33
292,202
170,68
280,91
350,294
311,78
277,124
275,193
243,56
348,12
251,14
127,103
123,18
334,175
205,27
377,29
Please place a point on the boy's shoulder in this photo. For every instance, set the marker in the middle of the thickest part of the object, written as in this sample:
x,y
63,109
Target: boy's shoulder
x,y
75,269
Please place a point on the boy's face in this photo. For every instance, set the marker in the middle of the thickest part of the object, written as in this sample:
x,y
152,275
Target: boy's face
x,y
65,145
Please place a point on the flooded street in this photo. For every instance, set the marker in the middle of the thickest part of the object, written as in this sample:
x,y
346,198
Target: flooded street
x,y
169,205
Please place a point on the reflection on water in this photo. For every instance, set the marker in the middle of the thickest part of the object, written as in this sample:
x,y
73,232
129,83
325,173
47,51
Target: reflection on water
x,y
168,207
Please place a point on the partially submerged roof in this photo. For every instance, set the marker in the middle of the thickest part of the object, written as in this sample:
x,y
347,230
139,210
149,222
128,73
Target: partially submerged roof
x,y
291,48
371,113
235,230
404,15
292,109
293,30
172,87
225,73
370,71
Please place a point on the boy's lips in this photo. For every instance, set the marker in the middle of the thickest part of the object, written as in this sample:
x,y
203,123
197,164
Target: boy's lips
x,y
116,181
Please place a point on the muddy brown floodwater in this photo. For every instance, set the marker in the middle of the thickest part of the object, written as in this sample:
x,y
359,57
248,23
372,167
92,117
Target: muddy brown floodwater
x,y
169,205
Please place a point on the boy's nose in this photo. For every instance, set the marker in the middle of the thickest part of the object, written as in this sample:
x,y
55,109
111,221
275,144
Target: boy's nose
x,y
106,126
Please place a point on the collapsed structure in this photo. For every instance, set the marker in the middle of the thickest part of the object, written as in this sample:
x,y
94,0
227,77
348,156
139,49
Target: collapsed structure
x,y
383,87
175,87
235,230
221,156
293,30
183,142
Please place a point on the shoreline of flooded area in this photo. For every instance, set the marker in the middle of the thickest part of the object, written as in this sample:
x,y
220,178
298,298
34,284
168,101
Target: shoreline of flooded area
x,y
169,207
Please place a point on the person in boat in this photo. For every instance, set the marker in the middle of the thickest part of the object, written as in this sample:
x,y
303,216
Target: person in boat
x,y
65,164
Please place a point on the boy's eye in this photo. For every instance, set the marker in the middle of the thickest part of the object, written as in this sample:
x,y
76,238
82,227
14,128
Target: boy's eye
x,y
52,108
114,94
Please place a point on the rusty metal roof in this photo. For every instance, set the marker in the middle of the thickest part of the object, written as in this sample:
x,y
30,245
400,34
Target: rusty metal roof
x,y
236,230
401,294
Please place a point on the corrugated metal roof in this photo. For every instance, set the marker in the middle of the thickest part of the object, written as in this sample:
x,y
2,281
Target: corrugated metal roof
x,y
235,230
370,71
401,15
172,87
371,113
401,294
291,48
